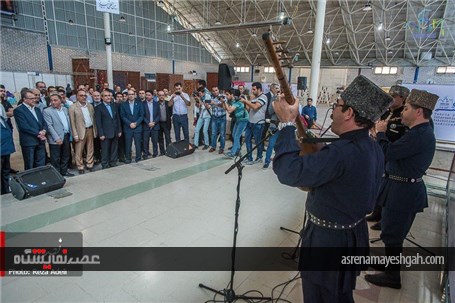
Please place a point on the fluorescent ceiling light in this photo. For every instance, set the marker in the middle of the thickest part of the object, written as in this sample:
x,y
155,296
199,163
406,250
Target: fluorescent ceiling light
x,y
367,7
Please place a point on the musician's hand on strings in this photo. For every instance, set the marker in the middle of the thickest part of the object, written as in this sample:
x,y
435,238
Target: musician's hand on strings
x,y
381,126
284,111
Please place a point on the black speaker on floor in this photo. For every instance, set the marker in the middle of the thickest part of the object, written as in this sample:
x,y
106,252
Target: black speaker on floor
x,y
302,83
179,149
36,181
225,74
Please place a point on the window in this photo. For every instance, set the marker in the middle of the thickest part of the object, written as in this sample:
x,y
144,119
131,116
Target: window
x,y
269,70
445,70
242,69
386,70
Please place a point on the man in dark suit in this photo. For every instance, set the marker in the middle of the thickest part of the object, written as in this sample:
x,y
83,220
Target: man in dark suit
x,y
132,115
32,131
151,125
165,122
109,130
58,122
121,140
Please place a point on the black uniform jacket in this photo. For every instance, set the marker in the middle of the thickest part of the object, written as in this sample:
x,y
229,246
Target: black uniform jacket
x,y
408,157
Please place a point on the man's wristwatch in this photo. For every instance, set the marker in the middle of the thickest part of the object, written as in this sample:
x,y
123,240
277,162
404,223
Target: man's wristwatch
x,y
282,125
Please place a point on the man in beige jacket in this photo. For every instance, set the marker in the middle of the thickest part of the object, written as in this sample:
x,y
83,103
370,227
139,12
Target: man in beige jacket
x,y
82,117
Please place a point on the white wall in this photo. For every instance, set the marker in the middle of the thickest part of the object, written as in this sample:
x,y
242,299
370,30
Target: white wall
x,y
15,81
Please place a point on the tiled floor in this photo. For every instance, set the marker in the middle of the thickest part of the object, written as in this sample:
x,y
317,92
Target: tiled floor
x,y
184,202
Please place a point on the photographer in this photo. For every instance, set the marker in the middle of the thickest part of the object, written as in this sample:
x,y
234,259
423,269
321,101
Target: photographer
x,y
203,105
257,108
180,102
218,120
235,106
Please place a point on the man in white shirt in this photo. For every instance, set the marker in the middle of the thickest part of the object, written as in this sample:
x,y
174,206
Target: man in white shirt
x,y
180,102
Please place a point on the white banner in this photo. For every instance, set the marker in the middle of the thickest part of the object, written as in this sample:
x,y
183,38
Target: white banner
x,y
108,6
444,112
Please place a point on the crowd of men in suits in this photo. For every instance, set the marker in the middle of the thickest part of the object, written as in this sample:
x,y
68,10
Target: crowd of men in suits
x,y
86,126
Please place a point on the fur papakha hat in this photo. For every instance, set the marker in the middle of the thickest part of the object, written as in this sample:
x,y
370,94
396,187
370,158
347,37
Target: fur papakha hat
x,y
422,98
368,99
398,90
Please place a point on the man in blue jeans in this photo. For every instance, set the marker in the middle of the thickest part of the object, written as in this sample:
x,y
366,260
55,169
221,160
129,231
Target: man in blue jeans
x,y
218,121
203,121
257,107
272,128
180,102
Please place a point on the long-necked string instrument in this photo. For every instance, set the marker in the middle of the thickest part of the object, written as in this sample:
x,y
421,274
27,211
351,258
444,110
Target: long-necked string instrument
x,y
304,135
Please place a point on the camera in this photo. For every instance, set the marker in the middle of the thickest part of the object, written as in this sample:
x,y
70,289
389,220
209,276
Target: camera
x,y
195,94
178,93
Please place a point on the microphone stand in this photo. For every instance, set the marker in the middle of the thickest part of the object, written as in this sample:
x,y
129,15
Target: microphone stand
x,y
323,123
229,293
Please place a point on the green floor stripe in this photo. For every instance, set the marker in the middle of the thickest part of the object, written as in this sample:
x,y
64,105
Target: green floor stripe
x,y
65,212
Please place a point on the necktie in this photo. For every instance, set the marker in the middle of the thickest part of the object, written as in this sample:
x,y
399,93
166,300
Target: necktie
x,y
108,106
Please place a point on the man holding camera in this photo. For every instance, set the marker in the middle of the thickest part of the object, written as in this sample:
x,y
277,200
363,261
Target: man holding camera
x,y
203,120
218,120
257,108
180,102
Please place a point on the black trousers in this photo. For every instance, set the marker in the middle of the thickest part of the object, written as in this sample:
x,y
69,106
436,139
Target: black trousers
x,y
5,174
129,136
34,156
121,147
395,226
109,151
97,148
232,128
146,135
60,155
164,134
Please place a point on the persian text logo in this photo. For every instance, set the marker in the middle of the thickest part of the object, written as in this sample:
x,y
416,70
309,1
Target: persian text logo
x,y
446,104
